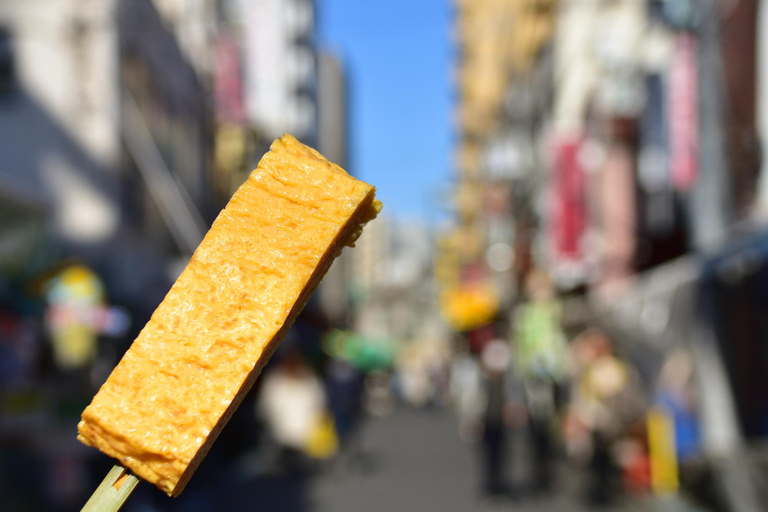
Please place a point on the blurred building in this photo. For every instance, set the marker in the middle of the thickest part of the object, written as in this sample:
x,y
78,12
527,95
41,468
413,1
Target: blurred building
x,y
166,131
106,144
392,285
280,72
60,137
129,123
195,25
332,142
332,108
598,139
264,78
502,97
615,145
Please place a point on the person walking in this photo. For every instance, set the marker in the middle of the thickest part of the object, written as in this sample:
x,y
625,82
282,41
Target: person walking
x,y
500,406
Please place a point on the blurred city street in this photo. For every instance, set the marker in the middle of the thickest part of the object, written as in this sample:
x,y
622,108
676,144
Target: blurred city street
x,y
562,304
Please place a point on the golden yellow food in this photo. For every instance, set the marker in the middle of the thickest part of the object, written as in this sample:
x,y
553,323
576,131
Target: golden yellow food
x,y
167,400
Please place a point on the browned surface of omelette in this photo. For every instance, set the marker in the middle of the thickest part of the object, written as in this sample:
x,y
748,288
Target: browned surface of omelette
x,y
164,403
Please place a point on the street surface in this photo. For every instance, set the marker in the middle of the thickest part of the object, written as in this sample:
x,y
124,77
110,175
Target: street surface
x,y
412,461
418,463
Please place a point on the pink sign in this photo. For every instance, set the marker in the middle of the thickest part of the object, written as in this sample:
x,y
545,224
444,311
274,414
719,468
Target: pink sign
x,y
228,83
683,114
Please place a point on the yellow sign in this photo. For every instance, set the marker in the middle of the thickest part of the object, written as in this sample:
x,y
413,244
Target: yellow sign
x,y
662,451
72,296
469,305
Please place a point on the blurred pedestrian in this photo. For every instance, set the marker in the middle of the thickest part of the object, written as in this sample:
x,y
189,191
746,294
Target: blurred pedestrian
x,y
465,390
676,393
293,406
500,408
608,401
676,398
413,376
542,360
345,385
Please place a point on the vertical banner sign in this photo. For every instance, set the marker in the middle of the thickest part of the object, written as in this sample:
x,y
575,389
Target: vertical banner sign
x,y
569,216
683,113
227,81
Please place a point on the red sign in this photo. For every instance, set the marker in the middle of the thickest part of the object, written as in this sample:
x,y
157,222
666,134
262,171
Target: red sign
x,y
569,213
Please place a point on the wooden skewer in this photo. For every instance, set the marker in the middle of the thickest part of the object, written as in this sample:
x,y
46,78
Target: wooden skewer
x,y
113,491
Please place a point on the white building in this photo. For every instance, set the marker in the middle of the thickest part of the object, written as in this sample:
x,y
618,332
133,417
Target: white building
x,y
103,129
58,118
392,280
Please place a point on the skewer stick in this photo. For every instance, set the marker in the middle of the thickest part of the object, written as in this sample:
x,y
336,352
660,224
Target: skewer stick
x,y
113,491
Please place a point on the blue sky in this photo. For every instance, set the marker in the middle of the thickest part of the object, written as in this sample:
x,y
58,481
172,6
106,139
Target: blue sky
x,y
397,58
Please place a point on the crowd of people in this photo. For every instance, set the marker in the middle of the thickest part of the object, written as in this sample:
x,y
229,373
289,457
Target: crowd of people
x,y
579,400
